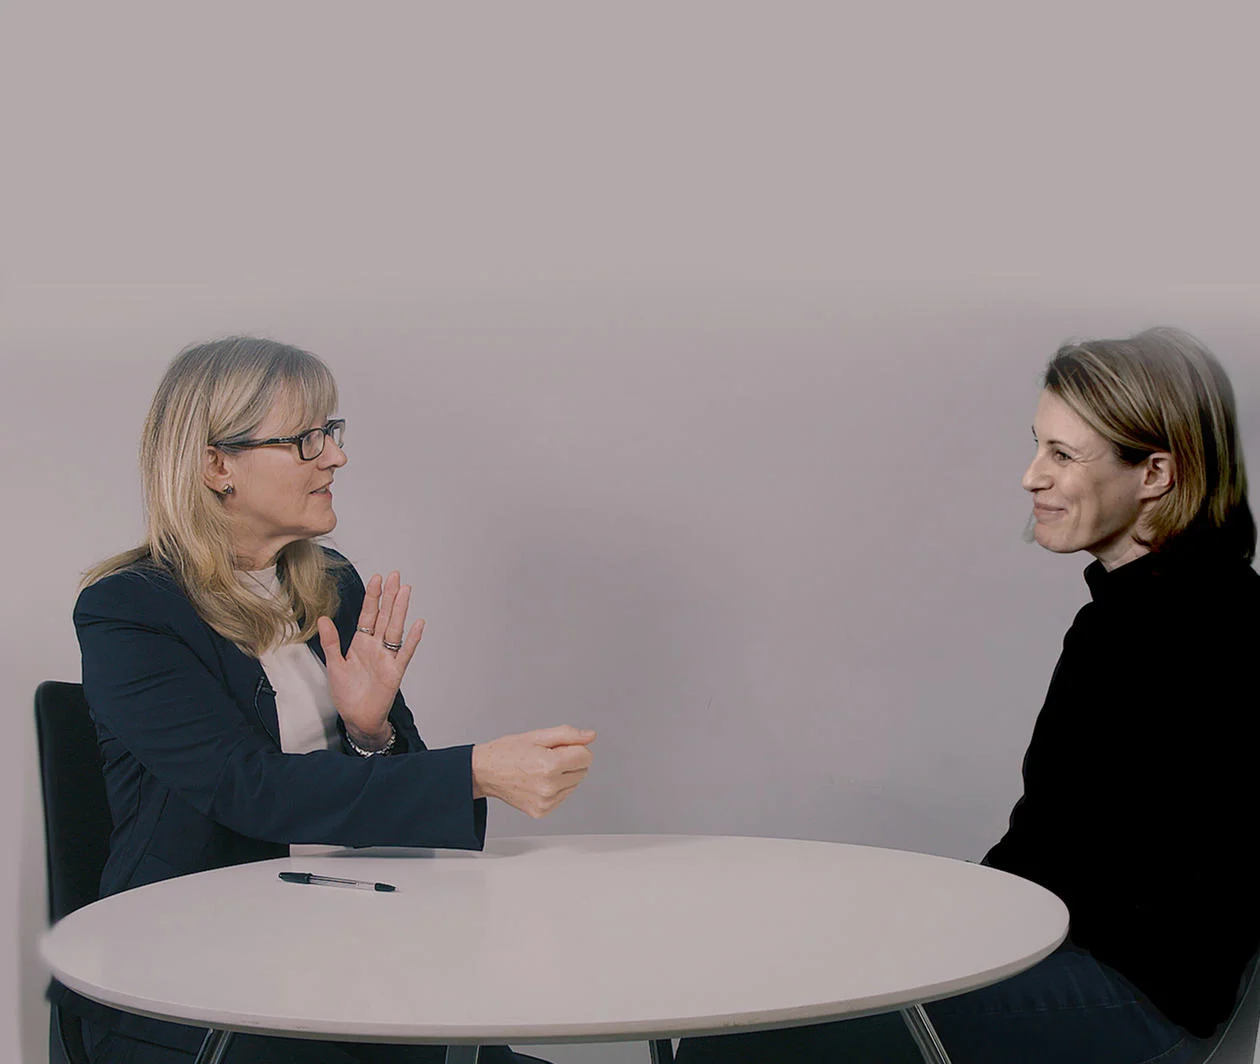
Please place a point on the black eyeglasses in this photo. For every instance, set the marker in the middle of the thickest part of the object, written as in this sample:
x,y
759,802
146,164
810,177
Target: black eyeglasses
x,y
310,443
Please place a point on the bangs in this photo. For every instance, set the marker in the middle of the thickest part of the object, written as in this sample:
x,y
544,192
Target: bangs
x,y
237,382
305,389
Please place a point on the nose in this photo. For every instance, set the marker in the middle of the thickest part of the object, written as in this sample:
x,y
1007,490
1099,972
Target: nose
x,y
1036,476
333,457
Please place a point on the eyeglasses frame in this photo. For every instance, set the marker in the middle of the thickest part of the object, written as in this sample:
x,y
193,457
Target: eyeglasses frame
x,y
327,429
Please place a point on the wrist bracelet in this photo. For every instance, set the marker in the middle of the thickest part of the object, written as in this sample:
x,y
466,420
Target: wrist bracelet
x,y
393,736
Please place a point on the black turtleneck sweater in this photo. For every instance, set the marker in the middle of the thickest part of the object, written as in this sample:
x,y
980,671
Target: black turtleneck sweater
x,y
1139,805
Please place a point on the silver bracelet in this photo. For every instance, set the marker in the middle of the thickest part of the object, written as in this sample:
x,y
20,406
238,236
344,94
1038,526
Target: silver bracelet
x,y
393,737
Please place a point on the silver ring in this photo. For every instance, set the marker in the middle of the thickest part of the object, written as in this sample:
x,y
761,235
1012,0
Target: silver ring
x,y
360,628
395,647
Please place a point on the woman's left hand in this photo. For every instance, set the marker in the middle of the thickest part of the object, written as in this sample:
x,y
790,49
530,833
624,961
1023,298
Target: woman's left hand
x,y
364,682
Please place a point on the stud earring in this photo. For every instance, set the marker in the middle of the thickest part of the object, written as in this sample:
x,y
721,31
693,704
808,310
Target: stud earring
x,y
228,490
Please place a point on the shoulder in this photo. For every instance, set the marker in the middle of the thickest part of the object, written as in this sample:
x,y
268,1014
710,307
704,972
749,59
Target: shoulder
x,y
142,586
1195,601
1209,613
143,597
1233,584
1229,597
350,589
342,570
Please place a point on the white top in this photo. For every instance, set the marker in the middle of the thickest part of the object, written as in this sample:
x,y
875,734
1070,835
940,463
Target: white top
x,y
581,938
304,705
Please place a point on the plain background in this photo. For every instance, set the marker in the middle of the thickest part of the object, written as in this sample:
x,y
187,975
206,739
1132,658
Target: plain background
x,y
688,352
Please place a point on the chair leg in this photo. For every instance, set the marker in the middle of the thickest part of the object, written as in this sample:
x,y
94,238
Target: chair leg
x,y
214,1046
56,1044
662,1050
65,1038
924,1035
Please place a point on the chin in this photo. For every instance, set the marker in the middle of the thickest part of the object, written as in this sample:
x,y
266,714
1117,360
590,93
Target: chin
x,y
1050,544
321,529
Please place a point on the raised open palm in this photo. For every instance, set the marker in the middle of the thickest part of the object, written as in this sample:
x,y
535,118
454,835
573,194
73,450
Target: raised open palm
x,y
364,682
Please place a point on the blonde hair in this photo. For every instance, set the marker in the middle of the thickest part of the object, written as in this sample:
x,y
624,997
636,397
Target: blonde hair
x,y
213,392
1162,390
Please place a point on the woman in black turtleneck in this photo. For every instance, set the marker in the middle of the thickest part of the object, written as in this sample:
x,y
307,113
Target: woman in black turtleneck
x,y
1138,798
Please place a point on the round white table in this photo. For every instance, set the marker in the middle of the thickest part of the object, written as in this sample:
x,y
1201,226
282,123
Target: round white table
x,y
558,939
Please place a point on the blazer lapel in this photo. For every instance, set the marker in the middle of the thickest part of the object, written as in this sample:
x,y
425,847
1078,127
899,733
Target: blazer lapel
x,y
249,686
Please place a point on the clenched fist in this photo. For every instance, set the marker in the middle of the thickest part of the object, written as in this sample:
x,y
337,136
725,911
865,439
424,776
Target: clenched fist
x,y
534,771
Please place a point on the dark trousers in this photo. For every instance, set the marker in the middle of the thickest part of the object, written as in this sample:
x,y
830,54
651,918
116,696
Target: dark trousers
x,y
1069,1009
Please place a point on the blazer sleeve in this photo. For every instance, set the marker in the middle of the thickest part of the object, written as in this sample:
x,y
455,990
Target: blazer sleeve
x,y
152,678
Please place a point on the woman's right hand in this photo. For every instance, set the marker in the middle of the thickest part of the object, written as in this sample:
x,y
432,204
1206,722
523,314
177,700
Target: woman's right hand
x,y
364,682
534,771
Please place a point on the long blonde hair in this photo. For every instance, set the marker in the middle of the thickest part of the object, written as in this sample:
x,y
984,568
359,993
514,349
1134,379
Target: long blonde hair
x,y
1162,390
222,391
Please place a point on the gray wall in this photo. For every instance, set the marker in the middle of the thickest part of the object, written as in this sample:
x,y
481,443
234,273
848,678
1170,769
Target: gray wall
x,y
688,353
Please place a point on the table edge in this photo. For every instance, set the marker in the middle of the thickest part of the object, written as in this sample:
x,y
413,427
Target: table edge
x,y
534,1034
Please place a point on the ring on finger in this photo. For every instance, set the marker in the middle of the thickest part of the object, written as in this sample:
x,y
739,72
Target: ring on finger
x,y
395,647
360,628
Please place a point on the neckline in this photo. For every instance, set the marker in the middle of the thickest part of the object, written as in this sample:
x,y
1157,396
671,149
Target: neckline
x,y
1103,581
260,580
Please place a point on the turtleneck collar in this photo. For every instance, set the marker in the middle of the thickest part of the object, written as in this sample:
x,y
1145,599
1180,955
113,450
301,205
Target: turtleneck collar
x,y
1104,583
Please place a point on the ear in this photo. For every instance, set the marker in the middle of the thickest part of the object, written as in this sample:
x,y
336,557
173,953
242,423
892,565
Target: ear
x,y
215,470
1159,474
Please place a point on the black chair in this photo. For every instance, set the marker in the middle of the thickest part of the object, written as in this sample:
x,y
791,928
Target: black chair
x,y
1236,1039
76,826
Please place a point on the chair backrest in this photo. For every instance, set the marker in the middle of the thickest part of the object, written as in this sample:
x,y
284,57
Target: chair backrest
x,y
76,810
1235,1041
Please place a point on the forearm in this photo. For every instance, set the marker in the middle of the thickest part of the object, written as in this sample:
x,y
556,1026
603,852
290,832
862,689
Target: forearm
x,y
418,799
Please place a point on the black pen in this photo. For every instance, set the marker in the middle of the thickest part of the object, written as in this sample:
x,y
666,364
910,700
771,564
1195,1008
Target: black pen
x,y
333,881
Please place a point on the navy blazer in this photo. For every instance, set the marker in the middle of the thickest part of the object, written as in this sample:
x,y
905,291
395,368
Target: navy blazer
x,y
193,767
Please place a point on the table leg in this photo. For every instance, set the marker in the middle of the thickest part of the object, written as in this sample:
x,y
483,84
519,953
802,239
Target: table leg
x,y
462,1054
213,1046
924,1035
662,1050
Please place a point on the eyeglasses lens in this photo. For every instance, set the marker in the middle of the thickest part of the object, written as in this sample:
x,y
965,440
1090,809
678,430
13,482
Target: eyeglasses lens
x,y
312,444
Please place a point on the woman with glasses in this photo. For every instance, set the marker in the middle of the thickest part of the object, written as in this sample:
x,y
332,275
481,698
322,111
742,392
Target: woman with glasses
x,y
245,683
1138,808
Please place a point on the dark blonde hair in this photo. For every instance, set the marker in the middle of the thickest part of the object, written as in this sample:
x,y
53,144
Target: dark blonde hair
x,y
222,391
1162,390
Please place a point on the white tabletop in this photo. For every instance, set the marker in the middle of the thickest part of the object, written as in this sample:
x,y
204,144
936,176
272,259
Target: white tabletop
x,y
568,938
